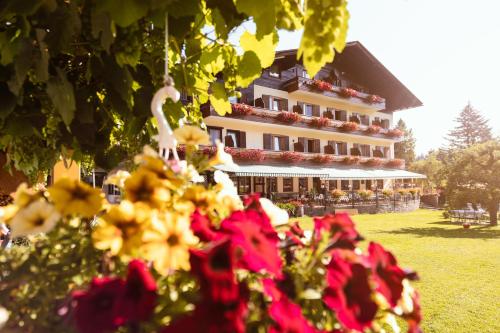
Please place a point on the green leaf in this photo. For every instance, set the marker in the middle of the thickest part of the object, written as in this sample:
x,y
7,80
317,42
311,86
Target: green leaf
x,y
218,99
264,47
249,69
22,64
124,12
102,28
263,13
212,60
325,31
63,25
42,62
61,93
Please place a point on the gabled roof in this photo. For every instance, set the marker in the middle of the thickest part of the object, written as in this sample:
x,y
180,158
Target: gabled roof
x,y
366,70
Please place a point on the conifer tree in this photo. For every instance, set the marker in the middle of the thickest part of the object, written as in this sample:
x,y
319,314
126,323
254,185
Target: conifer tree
x,y
471,128
405,149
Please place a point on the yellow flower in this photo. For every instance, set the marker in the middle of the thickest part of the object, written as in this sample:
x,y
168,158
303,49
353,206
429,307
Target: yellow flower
x,y
145,186
38,217
8,212
120,229
227,194
191,136
166,242
200,197
24,195
221,157
73,197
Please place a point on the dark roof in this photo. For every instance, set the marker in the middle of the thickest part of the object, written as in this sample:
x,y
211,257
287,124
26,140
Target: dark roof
x,y
366,70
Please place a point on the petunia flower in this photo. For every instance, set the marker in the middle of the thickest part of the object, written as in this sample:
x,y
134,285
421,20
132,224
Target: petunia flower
x,y
198,197
191,136
288,317
120,229
145,186
348,293
214,268
387,275
166,242
341,229
25,195
202,227
38,217
259,249
97,310
73,197
139,296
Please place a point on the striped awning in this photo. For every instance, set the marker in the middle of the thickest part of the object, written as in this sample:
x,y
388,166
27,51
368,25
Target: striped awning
x,y
338,172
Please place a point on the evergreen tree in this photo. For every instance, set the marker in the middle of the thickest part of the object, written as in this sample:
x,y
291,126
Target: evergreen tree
x,y
472,128
405,149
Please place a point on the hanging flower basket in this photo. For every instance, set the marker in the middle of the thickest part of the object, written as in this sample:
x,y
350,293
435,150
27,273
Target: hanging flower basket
x,y
348,92
288,117
240,109
348,126
374,99
319,122
372,129
291,157
322,85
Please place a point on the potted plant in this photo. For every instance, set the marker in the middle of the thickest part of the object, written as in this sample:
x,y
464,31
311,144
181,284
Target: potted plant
x,y
348,92
348,126
372,129
321,85
466,225
319,122
322,159
291,157
394,133
240,109
337,194
288,117
374,99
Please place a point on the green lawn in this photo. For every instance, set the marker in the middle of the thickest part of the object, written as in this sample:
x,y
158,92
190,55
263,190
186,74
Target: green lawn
x,y
459,269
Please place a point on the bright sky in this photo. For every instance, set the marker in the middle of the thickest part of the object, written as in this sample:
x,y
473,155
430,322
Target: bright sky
x,y
447,52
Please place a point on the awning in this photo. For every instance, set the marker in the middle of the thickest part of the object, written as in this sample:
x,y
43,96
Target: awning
x,y
338,172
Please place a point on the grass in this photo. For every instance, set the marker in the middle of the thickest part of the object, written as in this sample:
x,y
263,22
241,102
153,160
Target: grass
x,y
459,269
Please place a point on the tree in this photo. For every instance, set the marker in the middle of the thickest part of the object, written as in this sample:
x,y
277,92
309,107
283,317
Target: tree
x,y
433,167
474,177
405,149
471,128
79,75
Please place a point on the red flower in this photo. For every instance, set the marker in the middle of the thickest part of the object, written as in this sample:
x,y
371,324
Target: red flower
x,y
252,202
250,233
288,117
288,318
139,297
202,227
214,269
291,156
341,228
211,317
387,274
97,309
349,294
297,230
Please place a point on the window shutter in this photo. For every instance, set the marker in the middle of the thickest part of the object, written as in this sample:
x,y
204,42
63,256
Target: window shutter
x,y
317,146
301,105
315,112
267,141
286,143
297,109
266,99
284,105
243,139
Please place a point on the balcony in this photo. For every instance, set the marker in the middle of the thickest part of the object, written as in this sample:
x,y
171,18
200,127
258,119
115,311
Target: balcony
x,y
262,115
344,97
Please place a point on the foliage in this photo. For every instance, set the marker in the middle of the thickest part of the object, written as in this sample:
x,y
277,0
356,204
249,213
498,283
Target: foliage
x,y
322,85
256,155
471,128
241,109
350,160
348,92
217,263
387,193
395,163
288,117
322,159
405,149
473,177
394,133
372,129
365,195
288,206
433,167
80,74
337,194
319,122
291,157
349,126
373,162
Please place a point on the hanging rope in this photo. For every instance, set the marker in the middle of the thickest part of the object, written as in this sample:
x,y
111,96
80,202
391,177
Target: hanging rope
x,y
166,139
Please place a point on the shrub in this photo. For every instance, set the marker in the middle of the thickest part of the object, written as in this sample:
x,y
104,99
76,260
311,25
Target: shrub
x,y
373,99
241,109
322,85
337,194
348,92
288,117
291,157
349,126
365,195
322,159
254,155
372,129
394,133
395,163
288,206
387,193
350,160
320,122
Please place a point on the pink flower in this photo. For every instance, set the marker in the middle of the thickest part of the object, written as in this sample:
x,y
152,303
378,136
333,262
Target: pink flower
x,y
348,293
288,318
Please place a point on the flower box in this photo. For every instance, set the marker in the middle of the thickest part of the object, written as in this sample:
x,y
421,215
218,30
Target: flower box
x,y
349,126
319,122
322,159
254,155
348,92
291,157
240,109
288,117
374,99
395,163
322,85
394,133
350,160
373,162
372,129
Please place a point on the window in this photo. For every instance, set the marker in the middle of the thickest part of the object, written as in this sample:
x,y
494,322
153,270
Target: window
x,y
381,152
341,148
332,184
310,110
234,138
215,134
273,184
303,185
344,185
365,120
244,185
233,99
113,189
305,74
278,104
276,142
365,150
288,184
274,71
380,184
368,184
340,115
258,183
310,145
356,185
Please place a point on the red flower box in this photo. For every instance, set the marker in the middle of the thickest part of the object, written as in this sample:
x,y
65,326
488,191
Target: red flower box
x,y
395,163
288,117
240,109
394,133
322,85
349,126
374,99
254,155
350,160
348,92
320,122
291,157
373,129
373,162
322,159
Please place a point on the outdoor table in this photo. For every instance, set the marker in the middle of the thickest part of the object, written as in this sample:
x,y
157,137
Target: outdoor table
x,y
467,214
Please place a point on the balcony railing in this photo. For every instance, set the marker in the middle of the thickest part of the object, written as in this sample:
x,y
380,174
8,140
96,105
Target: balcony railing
x,y
345,95
258,114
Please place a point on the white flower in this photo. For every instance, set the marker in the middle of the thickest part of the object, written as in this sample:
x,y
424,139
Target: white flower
x,y
277,215
118,178
227,192
4,316
222,157
190,172
38,217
